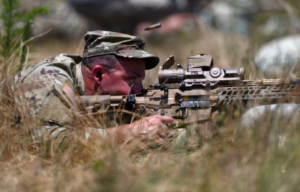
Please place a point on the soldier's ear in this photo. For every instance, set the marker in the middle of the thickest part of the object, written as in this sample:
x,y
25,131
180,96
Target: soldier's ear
x,y
98,72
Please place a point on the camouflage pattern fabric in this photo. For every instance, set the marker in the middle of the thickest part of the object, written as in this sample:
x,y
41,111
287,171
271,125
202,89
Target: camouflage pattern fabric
x,y
107,43
46,90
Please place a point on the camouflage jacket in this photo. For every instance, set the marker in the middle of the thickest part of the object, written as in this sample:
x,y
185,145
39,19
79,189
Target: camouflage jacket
x,y
47,91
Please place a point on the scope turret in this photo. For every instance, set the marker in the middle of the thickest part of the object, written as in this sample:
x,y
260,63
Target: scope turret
x,y
200,72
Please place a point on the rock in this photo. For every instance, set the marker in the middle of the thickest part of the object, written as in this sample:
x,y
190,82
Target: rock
x,y
228,17
124,15
63,20
280,24
288,113
278,57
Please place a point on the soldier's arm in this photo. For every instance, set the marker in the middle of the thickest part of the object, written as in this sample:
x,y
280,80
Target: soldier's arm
x,y
46,96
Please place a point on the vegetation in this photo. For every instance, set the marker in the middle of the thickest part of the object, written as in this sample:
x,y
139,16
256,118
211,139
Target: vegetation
x,y
16,30
263,157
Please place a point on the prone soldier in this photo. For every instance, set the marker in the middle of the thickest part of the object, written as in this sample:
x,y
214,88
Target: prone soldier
x,y
112,63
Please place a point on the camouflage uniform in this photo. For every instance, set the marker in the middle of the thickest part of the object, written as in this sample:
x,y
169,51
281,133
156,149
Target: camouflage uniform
x,y
49,89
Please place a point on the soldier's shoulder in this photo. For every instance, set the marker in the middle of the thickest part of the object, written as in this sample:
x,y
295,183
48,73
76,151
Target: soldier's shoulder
x,y
54,61
64,58
60,63
48,69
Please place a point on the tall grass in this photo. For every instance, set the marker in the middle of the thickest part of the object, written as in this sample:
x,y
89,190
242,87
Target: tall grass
x,y
263,158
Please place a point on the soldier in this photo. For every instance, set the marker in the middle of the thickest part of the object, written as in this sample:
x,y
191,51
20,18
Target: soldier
x,y
112,64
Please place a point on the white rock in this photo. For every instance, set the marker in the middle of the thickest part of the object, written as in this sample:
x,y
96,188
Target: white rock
x,y
286,112
279,55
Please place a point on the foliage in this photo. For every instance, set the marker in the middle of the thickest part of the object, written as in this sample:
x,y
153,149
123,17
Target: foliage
x,y
17,26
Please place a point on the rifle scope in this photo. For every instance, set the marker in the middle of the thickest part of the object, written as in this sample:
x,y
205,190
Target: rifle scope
x,y
200,72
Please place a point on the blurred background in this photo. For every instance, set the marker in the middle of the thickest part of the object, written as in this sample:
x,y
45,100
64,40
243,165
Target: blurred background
x,y
260,35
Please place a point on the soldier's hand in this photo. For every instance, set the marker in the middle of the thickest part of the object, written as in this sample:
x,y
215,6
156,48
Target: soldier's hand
x,y
153,127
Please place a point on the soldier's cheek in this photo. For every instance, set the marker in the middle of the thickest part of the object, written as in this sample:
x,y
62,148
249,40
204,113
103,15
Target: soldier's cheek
x,y
117,84
123,88
117,88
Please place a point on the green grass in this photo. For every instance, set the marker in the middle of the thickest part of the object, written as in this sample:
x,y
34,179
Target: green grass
x,y
15,33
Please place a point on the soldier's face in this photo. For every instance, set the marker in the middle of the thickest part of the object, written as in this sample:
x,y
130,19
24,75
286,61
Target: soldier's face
x,y
126,78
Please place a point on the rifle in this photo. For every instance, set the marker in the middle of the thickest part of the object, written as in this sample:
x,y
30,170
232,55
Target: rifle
x,y
191,96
